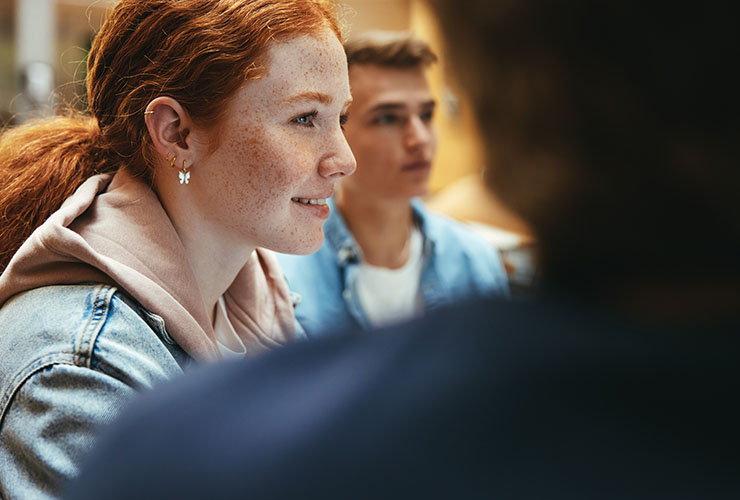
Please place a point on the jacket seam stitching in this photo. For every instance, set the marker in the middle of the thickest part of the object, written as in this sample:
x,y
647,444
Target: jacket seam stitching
x,y
77,343
88,337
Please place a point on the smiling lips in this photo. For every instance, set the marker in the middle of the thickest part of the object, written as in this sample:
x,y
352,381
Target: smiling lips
x,y
310,201
315,206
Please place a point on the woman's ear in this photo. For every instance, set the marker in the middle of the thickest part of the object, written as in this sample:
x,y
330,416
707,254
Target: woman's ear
x,y
170,128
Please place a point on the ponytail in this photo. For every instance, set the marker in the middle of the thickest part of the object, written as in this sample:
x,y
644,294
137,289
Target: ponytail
x,y
41,164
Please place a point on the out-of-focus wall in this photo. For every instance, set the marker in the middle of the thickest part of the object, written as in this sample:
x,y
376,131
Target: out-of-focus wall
x,y
361,15
73,24
7,73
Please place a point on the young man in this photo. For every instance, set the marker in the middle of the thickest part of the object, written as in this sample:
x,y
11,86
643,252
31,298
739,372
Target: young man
x,y
385,258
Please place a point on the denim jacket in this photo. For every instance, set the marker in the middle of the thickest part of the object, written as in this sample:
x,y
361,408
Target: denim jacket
x,y
457,265
88,343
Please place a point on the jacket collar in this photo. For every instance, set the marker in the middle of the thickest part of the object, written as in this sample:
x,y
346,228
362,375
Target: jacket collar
x,y
346,248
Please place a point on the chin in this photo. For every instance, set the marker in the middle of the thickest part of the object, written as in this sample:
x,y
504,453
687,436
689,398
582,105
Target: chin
x,y
304,246
417,192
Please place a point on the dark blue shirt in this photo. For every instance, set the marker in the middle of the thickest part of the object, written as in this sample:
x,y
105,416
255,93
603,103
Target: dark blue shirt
x,y
488,400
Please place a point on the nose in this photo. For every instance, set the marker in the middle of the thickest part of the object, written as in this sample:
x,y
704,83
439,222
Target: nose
x,y
340,161
417,133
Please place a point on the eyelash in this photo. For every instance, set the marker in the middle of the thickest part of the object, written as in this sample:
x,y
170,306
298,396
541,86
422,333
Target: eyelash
x,y
312,115
309,116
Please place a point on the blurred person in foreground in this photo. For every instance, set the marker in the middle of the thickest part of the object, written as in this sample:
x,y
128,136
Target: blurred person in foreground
x,y
612,128
386,258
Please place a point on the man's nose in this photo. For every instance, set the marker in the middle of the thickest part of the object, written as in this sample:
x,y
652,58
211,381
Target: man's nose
x,y
417,133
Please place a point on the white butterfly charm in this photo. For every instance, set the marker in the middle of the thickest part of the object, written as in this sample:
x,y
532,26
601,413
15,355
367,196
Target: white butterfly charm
x,y
184,177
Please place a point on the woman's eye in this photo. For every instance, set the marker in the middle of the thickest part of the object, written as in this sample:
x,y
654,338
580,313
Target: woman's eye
x,y
427,116
343,120
305,120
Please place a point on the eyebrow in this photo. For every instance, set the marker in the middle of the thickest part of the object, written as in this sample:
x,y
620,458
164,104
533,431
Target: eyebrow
x,y
393,106
312,96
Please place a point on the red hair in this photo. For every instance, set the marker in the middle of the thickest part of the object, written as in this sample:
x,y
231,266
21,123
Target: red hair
x,y
198,52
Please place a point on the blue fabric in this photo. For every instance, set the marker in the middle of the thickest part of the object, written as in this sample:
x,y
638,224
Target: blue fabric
x,y
72,356
491,400
457,265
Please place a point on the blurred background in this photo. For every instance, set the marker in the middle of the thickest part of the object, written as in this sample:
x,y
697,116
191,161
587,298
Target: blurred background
x,y
44,43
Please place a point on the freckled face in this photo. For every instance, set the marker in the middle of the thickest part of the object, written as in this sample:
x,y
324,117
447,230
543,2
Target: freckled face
x,y
281,149
390,131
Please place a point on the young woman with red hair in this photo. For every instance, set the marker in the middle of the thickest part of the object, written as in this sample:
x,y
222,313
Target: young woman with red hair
x,y
131,238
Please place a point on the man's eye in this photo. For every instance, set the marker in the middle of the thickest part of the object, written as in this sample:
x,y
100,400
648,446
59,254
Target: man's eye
x,y
387,119
343,120
427,116
305,120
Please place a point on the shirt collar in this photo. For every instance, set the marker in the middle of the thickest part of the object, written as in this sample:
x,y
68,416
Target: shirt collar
x,y
346,248
339,237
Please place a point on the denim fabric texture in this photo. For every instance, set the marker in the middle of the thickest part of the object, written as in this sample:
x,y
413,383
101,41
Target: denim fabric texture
x,y
72,356
458,265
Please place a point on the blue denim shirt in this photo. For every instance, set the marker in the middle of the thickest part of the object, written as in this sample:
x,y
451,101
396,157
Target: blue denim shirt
x,y
457,265
72,356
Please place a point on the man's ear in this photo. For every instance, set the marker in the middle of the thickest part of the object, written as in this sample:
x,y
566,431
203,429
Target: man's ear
x,y
170,128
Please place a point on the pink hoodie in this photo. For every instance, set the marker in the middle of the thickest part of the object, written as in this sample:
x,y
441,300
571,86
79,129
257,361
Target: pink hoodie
x,y
114,230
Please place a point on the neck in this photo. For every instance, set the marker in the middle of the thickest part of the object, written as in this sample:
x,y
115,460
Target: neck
x,y
215,256
381,228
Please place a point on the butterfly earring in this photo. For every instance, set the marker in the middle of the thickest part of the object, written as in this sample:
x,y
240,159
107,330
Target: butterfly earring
x,y
184,174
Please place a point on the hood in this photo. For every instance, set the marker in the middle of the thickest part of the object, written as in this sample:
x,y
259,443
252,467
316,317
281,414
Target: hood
x,y
114,230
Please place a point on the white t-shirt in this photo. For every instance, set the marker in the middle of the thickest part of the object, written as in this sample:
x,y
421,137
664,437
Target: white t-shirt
x,y
229,343
391,295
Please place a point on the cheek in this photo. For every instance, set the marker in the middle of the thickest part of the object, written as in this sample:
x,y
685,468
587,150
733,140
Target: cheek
x,y
373,152
244,180
270,169
434,139
257,172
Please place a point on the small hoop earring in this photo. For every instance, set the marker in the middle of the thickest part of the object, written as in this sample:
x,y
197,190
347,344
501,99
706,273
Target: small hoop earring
x,y
184,175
